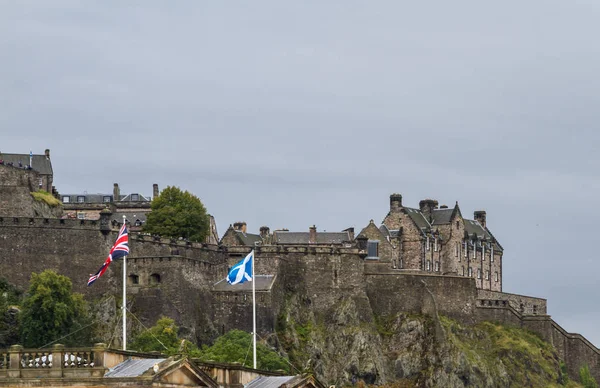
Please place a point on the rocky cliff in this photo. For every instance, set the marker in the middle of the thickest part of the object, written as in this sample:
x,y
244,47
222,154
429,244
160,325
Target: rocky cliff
x,y
343,346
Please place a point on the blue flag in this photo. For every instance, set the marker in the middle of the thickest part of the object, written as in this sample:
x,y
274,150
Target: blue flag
x,y
242,271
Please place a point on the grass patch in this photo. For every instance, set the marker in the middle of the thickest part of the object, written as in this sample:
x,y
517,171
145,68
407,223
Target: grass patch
x,y
46,197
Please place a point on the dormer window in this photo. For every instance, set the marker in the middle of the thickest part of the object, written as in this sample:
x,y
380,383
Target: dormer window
x,y
135,197
106,198
66,199
80,199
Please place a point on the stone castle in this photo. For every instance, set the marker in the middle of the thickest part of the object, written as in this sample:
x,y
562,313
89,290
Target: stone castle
x,y
428,260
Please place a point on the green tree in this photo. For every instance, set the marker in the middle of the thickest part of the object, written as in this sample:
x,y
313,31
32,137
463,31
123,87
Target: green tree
x,y
51,312
177,213
162,337
587,380
235,346
9,325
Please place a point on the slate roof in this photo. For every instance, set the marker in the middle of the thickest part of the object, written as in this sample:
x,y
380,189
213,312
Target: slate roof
x,y
472,226
248,239
442,216
40,163
99,198
133,368
89,198
302,238
269,381
418,218
263,283
129,216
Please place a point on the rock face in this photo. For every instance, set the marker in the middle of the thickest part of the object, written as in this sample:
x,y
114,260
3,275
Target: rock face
x,y
342,347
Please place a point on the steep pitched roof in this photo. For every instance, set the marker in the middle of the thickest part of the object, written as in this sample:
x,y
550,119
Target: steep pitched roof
x,y
39,163
474,227
302,238
418,218
442,216
247,239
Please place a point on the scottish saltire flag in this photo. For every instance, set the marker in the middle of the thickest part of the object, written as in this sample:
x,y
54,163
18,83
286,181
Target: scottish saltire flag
x,y
118,250
242,271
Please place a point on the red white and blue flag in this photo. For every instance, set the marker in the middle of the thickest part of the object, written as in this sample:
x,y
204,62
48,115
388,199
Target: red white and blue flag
x,y
118,250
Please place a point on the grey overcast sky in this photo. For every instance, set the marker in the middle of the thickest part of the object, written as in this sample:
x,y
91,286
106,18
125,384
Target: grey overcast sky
x,y
289,114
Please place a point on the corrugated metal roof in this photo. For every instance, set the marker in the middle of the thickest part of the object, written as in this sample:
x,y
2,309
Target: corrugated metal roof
x,y
133,368
269,381
263,283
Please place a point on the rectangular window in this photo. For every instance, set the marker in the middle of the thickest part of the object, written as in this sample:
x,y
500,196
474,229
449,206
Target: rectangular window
x,y
483,252
496,276
456,248
427,243
373,249
394,263
80,199
66,199
470,272
492,254
41,182
401,263
437,266
135,197
106,198
81,216
487,275
428,265
474,251
478,273
435,245
463,270
465,249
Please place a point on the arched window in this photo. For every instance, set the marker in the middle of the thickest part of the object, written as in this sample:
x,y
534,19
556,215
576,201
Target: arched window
x,y
154,278
134,279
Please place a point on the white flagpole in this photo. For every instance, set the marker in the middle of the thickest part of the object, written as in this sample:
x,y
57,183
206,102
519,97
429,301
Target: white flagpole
x,y
124,305
254,307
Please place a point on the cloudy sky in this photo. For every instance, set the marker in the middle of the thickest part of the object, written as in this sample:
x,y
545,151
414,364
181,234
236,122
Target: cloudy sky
x,y
289,114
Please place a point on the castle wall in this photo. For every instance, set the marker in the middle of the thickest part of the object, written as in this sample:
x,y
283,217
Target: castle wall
x,y
390,293
523,304
15,186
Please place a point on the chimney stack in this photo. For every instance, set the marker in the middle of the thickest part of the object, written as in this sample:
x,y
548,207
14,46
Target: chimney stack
x,y
350,231
154,190
480,216
264,231
395,202
47,153
240,225
312,235
427,206
116,192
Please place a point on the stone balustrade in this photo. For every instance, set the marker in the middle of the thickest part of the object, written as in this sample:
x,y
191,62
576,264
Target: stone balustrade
x,y
57,361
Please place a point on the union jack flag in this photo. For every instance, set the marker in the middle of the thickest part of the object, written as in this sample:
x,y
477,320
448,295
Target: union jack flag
x,y
118,250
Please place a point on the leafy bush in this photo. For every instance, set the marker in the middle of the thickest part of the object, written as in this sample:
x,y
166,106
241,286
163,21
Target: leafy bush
x,y
236,346
586,377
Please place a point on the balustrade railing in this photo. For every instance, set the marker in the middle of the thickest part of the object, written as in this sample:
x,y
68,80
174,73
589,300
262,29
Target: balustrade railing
x,y
56,361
